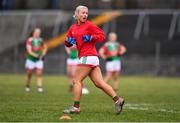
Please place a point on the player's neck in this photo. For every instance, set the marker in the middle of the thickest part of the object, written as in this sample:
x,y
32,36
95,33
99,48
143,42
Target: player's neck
x,y
79,22
35,37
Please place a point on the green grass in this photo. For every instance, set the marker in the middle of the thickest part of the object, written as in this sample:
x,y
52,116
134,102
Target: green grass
x,y
148,99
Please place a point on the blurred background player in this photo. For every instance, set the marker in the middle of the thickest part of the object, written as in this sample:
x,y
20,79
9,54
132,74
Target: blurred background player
x,y
111,51
72,62
85,34
36,50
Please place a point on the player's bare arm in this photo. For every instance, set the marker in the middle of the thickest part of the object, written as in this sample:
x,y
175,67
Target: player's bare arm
x,y
122,50
45,49
102,54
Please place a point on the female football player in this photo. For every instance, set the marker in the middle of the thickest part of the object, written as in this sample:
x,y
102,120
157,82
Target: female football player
x,y
111,52
85,34
36,50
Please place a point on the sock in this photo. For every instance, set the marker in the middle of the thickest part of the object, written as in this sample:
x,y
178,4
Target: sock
x,y
27,86
77,104
71,86
116,98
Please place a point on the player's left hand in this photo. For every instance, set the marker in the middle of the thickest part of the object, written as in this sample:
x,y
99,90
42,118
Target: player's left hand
x,y
87,38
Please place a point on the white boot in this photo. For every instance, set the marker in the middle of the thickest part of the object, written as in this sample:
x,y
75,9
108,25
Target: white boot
x,y
27,89
40,89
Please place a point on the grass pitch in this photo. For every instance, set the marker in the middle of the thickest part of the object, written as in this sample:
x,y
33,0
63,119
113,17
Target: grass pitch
x,y
148,99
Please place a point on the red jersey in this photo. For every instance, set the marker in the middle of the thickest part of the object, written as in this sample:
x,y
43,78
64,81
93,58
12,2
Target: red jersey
x,y
87,28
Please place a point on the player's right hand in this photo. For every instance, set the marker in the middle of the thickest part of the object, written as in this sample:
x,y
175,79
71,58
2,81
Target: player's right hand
x,y
41,57
70,40
87,38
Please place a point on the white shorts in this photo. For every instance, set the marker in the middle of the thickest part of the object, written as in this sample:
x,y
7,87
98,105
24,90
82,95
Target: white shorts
x,y
92,61
113,66
32,65
72,61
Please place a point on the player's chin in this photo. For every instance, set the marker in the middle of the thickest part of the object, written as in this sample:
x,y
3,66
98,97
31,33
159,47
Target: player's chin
x,y
84,20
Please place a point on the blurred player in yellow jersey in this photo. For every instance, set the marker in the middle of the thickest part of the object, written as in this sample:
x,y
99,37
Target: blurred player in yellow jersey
x,y
72,62
111,51
36,50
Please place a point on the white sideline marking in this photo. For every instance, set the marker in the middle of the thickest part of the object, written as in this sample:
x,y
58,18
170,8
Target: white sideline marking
x,y
146,107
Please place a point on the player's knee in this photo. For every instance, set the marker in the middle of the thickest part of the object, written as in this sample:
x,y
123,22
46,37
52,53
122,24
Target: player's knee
x,y
29,71
115,78
76,82
98,85
39,73
69,75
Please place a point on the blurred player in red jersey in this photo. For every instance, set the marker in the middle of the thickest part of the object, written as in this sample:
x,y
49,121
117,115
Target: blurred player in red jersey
x,y
72,62
36,50
85,34
111,52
